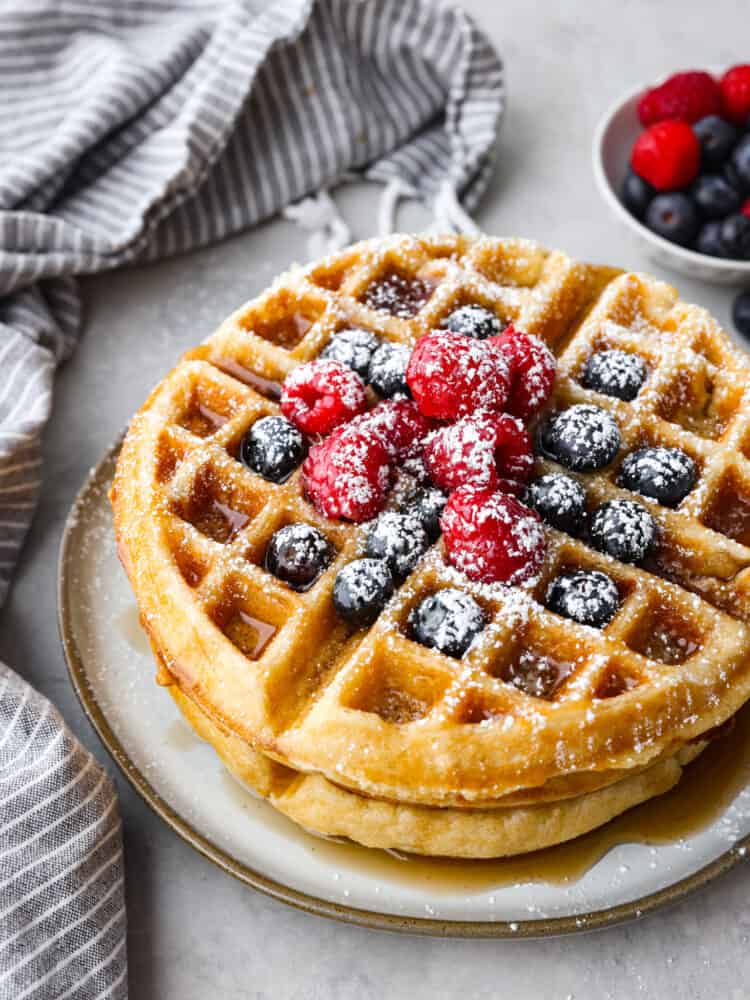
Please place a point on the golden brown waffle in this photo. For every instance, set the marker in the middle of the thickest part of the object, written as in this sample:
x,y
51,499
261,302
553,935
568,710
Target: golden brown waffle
x,y
375,711
324,808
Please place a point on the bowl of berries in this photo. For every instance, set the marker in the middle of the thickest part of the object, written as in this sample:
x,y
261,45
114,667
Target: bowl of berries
x,y
673,163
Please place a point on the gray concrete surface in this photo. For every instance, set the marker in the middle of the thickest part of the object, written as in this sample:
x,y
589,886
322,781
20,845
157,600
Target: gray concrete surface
x,y
194,932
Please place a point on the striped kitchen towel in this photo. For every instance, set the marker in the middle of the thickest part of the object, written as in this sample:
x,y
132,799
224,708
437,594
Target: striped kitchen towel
x,y
135,129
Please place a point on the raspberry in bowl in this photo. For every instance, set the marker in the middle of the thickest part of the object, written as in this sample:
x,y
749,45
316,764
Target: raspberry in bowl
x,y
666,160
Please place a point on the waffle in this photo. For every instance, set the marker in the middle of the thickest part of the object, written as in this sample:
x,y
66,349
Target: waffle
x,y
326,809
372,710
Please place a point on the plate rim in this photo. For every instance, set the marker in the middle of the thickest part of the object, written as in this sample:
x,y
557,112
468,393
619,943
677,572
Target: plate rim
x,y
309,903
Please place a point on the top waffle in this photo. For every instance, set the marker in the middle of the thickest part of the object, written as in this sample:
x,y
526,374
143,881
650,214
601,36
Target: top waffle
x,y
538,701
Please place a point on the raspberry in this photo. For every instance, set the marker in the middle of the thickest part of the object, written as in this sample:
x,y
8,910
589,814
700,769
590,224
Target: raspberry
x,y
685,97
347,475
667,155
513,448
735,93
399,426
463,453
320,395
478,449
491,536
532,371
746,208
451,375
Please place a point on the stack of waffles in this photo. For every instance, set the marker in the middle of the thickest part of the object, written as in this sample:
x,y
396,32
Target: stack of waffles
x,y
545,728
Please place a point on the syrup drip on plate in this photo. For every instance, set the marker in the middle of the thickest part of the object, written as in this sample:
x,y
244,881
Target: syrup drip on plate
x,y
706,789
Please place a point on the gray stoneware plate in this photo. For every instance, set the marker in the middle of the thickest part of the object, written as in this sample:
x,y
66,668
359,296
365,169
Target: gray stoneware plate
x,y
184,782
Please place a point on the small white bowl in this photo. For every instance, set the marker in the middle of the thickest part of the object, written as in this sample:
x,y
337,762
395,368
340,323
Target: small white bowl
x,y
613,141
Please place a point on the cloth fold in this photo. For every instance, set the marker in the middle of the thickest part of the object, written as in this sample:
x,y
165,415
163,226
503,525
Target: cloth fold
x,y
132,131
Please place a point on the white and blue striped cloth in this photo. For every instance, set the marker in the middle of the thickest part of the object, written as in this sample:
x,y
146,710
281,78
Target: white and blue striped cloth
x,y
135,129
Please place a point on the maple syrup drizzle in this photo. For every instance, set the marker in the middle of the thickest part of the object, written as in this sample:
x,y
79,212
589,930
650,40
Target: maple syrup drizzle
x,y
249,634
203,421
264,386
706,789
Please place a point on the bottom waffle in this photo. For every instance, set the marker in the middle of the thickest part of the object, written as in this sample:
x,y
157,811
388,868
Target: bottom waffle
x,y
326,809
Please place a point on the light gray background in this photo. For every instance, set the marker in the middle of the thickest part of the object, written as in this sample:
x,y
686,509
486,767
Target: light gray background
x,y
194,932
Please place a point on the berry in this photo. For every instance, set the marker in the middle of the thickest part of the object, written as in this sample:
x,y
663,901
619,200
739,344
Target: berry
x,y
352,348
740,163
588,597
451,375
320,395
735,93
667,155
714,196
473,321
735,236
730,174
624,530
636,194
361,591
298,554
717,138
398,539
476,449
674,217
273,448
582,438
559,500
663,474
532,371
684,96
387,370
709,240
491,536
448,621
746,208
347,475
399,426
615,373
741,313
426,505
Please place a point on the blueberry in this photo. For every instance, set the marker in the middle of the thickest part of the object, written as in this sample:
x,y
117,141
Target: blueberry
x,y
426,505
387,370
615,373
636,194
473,321
273,447
735,236
589,597
709,240
741,160
623,529
559,500
663,474
298,554
717,138
674,217
582,438
741,313
715,196
448,621
361,591
353,348
399,539
729,173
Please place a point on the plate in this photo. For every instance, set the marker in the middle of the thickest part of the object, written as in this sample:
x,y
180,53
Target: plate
x,y
652,855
